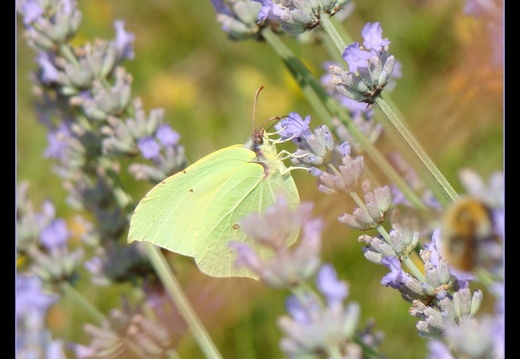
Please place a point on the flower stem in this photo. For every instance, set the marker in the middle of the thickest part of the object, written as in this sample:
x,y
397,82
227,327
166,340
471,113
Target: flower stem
x,y
327,107
358,200
82,302
336,23
417,150
175,291
413,268
330,29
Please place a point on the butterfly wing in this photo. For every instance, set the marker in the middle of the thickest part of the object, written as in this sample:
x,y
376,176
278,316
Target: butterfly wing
x,y
247,191
171,213
196,212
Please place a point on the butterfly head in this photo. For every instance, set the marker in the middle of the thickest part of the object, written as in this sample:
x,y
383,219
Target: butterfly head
x,y
257,138
257,141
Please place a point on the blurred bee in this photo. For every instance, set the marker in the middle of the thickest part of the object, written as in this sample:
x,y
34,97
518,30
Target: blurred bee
x,y
465,228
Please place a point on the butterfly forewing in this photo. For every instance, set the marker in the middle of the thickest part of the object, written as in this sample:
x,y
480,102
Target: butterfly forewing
x,y
170,212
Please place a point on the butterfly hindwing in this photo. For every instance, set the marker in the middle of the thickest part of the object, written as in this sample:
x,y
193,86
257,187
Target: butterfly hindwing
x,y
251,192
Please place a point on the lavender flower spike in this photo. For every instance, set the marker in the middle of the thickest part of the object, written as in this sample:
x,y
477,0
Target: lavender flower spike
x,y
312,330
345,179
47,32
314,147
471,339
33,339
238,18
377,203
270,230
370,66
298,16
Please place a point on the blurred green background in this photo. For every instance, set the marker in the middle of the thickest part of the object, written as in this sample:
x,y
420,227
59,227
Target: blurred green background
x,y
450,95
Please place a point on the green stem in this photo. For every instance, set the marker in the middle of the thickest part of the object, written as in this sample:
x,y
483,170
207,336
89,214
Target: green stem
x,y
174,289
358,200
413,268
327,108
416,149
331,49
330,29
340,29
82,302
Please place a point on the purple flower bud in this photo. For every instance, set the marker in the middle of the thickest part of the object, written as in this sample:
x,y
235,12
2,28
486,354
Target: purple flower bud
x,y
438,350
373,35
30,297
149,147
123,41
345,149
327,281
238,18
316,172
49,72
293,127
268,9
58,142
346,178
299,311
31,10
55,234
356,57
397,277
167,136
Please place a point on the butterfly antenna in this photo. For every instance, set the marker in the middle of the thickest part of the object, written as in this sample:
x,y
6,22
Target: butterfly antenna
x,y
254,104
274,118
